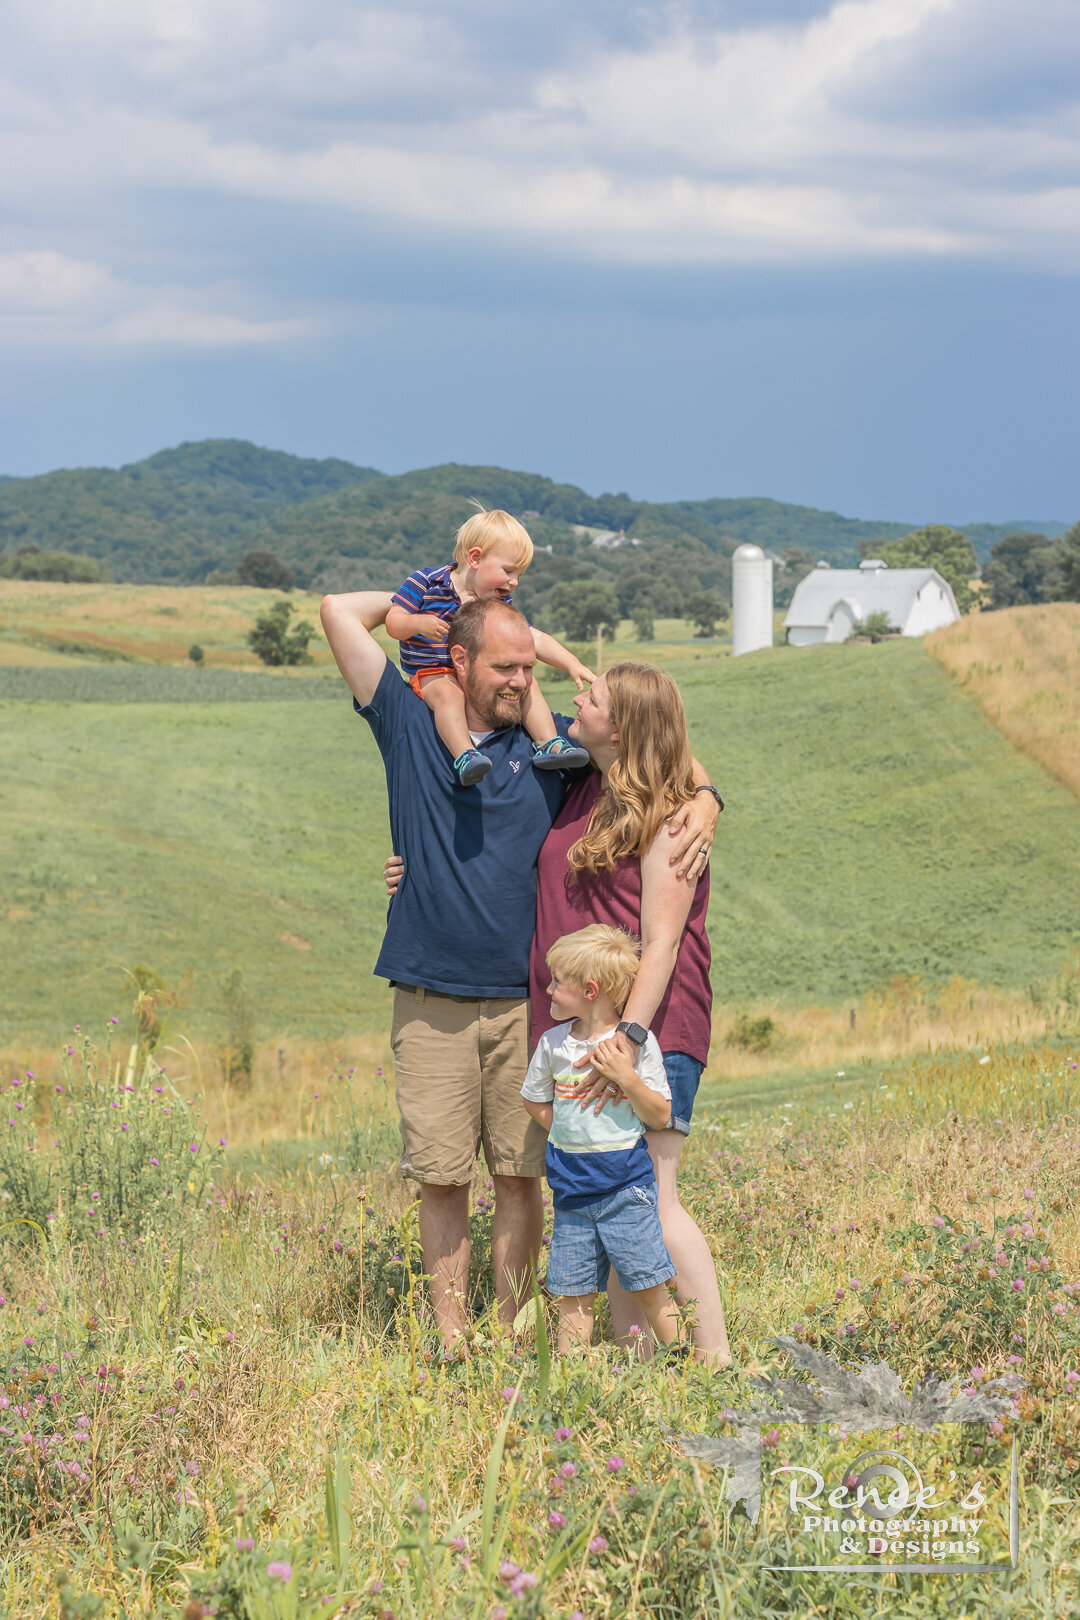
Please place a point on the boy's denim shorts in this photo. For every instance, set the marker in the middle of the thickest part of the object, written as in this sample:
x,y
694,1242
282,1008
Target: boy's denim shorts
x,y
622,1230
684,1076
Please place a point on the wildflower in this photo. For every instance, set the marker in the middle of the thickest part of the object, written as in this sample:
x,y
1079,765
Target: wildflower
x,y
556,1521
598,1544
509,1395
771,1439
1058,1310
280,1571
1029,1192
419,1505
153,1161
458,1543
560,1434
522,1583
614,1464
245,1544
1018,1286
634,1331
194,1148
937,1221
508,1570
567,1470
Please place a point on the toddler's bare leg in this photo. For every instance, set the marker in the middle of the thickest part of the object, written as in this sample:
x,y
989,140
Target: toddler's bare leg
x,y
536,717
446,700
659,1311
575,1321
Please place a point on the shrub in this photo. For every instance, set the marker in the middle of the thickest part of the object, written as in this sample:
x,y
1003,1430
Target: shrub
x,y
62,567
196,654
876,626
753,1034
274,642
237,1051
265,571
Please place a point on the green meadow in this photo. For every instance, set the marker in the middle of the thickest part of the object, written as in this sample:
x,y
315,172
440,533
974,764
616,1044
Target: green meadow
x,y
877,825
220,1393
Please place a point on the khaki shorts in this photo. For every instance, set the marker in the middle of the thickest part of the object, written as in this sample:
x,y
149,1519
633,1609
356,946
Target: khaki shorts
x,y
460,1065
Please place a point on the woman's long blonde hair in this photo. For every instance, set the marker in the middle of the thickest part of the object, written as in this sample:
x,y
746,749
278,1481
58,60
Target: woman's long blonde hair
x,y
652,776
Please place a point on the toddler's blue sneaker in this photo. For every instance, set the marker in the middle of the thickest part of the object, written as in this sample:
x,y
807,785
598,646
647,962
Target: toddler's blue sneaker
x,y
558,755
471,766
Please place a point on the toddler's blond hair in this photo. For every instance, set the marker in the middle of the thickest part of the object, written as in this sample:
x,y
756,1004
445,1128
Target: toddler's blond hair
x,y
490,529
609,956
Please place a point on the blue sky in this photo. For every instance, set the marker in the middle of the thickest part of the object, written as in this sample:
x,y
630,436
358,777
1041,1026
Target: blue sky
x,y
824,253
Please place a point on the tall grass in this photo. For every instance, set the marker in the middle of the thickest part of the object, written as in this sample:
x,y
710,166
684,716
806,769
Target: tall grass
x,y
1022,667
246,1409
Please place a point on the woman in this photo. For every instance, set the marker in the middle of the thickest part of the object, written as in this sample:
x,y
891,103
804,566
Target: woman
x,y
607,859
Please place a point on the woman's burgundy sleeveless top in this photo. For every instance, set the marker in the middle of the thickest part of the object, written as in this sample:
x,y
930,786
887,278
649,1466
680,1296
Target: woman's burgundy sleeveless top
x,y
682,1022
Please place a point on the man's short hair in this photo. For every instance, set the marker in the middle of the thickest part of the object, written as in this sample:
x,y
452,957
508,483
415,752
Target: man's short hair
x,y
608,955
468,627
487,530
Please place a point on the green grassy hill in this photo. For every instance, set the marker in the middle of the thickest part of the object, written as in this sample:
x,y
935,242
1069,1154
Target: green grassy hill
x,y
876,824
184,512
171,517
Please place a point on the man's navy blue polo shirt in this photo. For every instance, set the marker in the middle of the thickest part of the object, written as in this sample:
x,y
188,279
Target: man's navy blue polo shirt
x,y
462,920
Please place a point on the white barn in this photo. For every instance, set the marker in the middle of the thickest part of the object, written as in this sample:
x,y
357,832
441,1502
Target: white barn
x,y
828,603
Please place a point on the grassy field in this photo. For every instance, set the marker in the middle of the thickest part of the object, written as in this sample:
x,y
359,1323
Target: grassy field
x,y
220,1393
239,1415
1022,667
153,624
878,828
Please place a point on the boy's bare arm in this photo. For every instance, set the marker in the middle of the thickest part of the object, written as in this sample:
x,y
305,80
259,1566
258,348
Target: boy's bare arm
x,y
403,625
616,1068
550,651
543,1113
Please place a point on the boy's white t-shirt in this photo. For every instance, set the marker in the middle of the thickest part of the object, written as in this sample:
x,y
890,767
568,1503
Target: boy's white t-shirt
x,y
590,1154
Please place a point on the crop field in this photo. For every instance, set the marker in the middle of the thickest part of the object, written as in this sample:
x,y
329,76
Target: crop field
x,y
153,624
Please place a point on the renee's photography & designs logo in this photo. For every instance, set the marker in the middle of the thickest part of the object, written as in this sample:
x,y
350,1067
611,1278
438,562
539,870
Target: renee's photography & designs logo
x,y
847,1472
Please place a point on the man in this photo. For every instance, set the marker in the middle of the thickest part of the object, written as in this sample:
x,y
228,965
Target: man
x,y
457,940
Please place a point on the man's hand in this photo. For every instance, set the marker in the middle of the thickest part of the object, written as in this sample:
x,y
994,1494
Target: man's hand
x,y
692,828
393,871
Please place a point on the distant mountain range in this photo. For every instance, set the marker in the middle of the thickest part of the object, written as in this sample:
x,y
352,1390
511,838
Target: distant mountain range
x,y
188,513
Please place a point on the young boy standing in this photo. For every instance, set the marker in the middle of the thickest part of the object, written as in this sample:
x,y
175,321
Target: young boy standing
x,y
491,552
598,1167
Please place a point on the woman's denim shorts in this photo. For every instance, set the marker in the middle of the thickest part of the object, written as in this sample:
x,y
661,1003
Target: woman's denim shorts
x,y
684,1076
620,1230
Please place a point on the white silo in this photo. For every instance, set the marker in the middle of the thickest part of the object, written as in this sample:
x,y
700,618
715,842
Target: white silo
x,y
751,600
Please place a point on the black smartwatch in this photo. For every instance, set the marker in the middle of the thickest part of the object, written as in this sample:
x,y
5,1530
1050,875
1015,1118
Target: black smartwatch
x,y
634,1032
707,787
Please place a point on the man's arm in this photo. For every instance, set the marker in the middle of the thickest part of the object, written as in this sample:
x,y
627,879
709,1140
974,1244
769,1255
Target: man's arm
x,y
692,826
348,621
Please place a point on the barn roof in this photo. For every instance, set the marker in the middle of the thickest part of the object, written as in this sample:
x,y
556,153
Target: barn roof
x,y
866,590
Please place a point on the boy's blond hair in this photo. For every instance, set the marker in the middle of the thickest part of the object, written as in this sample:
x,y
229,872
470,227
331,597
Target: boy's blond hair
x,y
490,529
607,955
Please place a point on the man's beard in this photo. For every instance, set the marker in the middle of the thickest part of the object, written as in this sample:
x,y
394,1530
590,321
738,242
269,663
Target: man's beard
x,y
495,711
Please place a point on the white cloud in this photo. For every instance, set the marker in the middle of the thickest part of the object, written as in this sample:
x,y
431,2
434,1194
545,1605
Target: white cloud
x,y
48,298
835,138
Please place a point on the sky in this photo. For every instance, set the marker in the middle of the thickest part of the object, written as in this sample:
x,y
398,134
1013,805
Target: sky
x,y
827,254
